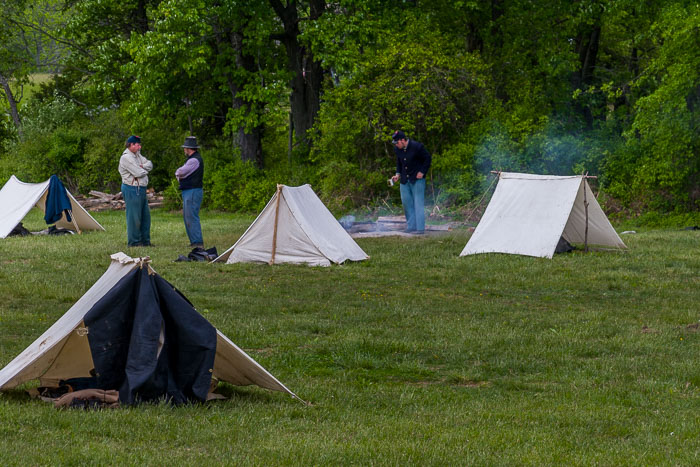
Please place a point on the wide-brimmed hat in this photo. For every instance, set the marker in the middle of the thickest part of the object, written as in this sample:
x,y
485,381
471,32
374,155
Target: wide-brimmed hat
x,y
191,142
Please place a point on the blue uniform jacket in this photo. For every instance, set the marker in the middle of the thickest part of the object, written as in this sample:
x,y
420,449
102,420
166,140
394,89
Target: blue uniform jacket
x,y
415,158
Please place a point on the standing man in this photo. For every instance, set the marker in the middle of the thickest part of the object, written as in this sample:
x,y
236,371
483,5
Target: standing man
x,y
412,163
190,176
134,168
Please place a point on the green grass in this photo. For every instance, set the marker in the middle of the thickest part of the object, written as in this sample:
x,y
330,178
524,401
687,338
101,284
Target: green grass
x,y
416,356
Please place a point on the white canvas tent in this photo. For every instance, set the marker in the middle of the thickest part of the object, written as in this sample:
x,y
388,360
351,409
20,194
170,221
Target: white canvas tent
x,y
63,351
294,227
18,198
529,213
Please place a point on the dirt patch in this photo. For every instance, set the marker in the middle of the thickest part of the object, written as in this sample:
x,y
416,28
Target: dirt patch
x,y
473,384
460,384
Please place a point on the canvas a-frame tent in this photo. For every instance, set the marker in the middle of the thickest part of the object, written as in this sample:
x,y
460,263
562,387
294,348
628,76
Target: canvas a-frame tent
x,y
294,227
18,198
82,343
528,214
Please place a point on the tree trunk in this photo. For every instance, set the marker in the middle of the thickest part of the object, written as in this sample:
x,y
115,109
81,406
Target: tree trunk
x,y
307,72
250,142
587,48
249,137
139,17
13,104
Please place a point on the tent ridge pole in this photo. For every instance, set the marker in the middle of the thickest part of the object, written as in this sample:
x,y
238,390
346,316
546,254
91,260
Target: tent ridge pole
x,y
585,208
274,232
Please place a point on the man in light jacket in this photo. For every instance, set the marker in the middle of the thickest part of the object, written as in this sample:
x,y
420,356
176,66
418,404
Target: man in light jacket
x,y
134,168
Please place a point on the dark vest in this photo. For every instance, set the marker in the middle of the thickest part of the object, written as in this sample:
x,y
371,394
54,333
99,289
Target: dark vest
x,y
194,180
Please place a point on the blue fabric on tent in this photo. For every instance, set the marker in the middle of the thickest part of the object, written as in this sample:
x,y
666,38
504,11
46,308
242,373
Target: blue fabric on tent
x,y
125,328
56,201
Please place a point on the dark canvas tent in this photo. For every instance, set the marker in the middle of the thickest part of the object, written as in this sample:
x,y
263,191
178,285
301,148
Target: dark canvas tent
x,y
134,332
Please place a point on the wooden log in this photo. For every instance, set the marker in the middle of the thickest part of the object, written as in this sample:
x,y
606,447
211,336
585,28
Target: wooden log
x,y
101,195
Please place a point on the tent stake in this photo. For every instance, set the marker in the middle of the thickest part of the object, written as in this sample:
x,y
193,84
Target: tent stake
x,y
274,232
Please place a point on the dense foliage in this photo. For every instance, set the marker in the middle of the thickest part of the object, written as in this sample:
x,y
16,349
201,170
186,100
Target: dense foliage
x,y
308,91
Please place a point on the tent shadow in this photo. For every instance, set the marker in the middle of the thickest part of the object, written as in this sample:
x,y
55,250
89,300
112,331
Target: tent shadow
x,y
18,395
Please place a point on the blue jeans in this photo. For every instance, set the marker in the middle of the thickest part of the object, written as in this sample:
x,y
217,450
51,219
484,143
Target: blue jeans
x,y
191,201
413,200
138,215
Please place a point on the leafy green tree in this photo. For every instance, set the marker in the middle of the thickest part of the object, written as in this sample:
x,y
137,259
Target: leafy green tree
x,y
209,63
15,59
660,164
99,32
421,83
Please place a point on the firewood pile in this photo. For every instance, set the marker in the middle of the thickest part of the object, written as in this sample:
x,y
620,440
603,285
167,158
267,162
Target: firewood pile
x,y
99,201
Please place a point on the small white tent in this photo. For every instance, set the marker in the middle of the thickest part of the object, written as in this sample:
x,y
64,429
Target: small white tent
x,y
528,214
18,198
294,227
64,351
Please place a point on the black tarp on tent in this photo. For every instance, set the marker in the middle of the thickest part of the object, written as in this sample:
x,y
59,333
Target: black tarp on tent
x,y
148,341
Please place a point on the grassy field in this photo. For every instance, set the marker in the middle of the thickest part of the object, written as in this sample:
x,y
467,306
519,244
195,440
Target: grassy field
x,y
416,356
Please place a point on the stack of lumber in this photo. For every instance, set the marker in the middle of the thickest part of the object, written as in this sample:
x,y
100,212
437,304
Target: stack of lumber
x,y
99,201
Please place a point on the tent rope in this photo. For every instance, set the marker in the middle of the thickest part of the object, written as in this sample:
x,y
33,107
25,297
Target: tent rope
x,y
484,195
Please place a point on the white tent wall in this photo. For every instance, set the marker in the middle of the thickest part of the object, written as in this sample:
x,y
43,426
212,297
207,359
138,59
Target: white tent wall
x,y
46,354
321,227
523,217
63,351
600,230
18,198
306,233
293,244
248,240
529,213
234,366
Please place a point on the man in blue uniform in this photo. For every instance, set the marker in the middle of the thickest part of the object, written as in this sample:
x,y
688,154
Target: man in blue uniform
x,y
412,164
190,176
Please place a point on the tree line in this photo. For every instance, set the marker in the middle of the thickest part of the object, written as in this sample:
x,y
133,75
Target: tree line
x,y
309,91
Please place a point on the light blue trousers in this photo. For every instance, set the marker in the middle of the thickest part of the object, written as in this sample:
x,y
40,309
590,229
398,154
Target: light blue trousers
x,y
413,200
191,202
